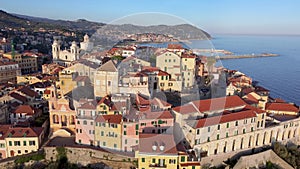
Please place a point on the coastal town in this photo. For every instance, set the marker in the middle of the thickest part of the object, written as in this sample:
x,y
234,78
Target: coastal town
x,y
134,106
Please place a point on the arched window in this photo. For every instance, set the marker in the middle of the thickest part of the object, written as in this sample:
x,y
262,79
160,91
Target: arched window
x,y
85,122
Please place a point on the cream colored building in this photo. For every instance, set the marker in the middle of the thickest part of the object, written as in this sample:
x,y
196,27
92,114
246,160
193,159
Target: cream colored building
x,y
106,80
64,57
21,141
181,68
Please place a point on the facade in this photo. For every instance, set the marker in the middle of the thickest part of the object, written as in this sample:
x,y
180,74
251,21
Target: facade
x,y
86,45
27,64
9,71
64,57
108,131
160,151
21,140
24,113
62,117
106,80
181,67
85,123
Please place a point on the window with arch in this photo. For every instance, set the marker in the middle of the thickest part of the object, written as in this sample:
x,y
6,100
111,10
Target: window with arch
x,y
84,122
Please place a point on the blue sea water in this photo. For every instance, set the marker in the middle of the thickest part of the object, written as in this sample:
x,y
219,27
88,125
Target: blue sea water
x,y
281,75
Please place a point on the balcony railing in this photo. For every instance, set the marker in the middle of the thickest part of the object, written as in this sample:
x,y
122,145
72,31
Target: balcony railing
x,y
158,165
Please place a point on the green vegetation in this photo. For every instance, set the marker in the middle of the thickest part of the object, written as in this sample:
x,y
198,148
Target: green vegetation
x,y
290,154
27,158
118,58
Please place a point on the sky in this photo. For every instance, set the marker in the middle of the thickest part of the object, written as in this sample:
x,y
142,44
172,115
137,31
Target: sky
x,y
214,16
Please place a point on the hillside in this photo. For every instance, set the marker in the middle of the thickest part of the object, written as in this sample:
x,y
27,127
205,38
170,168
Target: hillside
x,y
182,32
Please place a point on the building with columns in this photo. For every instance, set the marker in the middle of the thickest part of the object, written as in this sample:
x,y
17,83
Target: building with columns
x,y
229,125
62,116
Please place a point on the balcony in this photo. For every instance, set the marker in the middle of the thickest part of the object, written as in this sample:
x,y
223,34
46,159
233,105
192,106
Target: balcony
x,y
157,166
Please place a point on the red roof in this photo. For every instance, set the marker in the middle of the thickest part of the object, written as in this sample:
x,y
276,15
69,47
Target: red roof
x,y
282,107
186,109
219,103
163,73
47,91
114,118
24,132
26,109
18,97
225,118
174,46
188,56
158,115
27,91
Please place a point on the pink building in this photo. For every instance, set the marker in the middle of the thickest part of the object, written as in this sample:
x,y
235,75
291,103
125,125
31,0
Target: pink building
x,y
85,119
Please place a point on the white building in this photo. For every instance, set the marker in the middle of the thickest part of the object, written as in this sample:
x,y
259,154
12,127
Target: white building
x,y
86,45
64,57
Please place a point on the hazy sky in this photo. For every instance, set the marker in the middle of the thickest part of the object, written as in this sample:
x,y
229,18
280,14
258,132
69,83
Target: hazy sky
x,y
214,16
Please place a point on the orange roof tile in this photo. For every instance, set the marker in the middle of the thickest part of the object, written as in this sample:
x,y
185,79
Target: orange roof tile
x,y
219,103
224,118
114,118
282,107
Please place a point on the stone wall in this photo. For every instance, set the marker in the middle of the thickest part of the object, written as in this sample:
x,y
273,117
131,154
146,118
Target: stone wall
x,y
260,159
85,156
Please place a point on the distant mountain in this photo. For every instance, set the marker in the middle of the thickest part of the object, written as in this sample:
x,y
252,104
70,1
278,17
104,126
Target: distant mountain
x,y
182,32
9,20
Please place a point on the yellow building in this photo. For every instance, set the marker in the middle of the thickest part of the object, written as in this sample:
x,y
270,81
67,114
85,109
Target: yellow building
x,y
157,151
27,64
108,131
21,141
28,79
66,83
106,107
61,116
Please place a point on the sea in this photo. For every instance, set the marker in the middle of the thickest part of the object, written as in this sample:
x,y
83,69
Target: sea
x,y
281,75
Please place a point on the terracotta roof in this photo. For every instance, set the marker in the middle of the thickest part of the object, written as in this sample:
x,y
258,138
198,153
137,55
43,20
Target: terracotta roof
x,y
282,107
27,91
47,91
106,100
188,56
18,97
219,103
224,118
162,73
140,100
146,141
158,115
186,109
24,132
3,130
175,46
114,118
26,109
